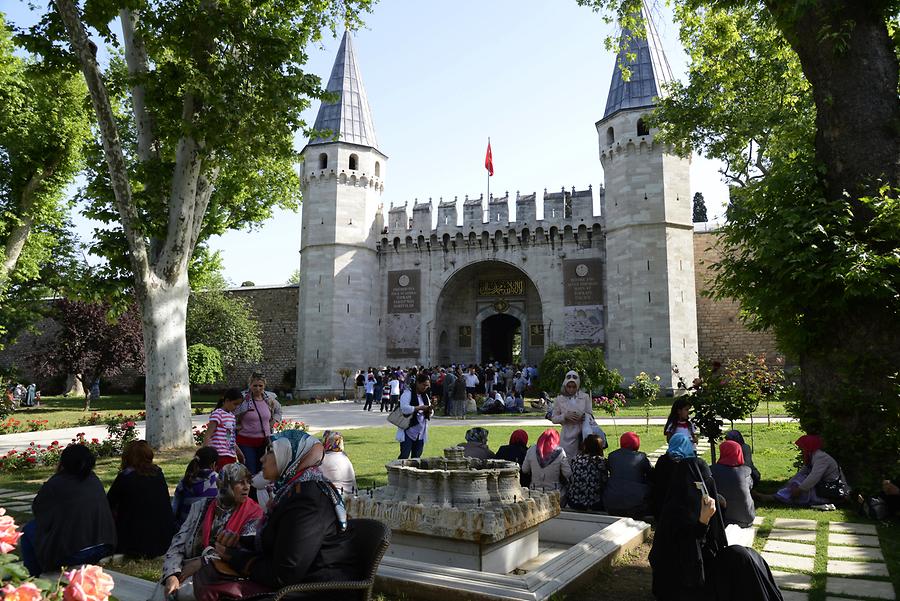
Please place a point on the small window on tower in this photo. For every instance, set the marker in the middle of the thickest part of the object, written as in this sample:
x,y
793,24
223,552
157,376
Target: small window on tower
x,y
610,136
377,169
642,129
323,161
354,162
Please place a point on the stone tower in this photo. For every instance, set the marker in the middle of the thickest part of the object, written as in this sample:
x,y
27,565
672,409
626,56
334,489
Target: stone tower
x,y
342,177
651,319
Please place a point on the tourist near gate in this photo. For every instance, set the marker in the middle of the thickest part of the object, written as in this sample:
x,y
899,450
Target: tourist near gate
x,y
420,288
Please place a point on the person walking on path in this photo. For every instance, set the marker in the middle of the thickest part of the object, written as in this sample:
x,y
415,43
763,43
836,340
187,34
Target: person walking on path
x,y
415,403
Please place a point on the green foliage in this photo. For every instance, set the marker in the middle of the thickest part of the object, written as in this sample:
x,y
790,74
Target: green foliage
x,y
204,364
225,322
587,361
644,390
294,277
700,215
44,125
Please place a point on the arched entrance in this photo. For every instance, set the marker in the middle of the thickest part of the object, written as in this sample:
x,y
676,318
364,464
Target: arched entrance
x,y
488,311
500,334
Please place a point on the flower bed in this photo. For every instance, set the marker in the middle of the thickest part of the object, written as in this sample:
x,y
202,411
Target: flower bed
x,y
285,424
87,583
96,419
34,455
12,425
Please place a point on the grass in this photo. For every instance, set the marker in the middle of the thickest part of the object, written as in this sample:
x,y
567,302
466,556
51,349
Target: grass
x,y
371,448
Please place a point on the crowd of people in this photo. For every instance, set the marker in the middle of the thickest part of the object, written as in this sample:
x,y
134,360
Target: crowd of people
x,y
257,510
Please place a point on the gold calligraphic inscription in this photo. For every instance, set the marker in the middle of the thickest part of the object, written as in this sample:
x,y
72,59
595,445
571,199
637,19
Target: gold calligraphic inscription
x,y
501,287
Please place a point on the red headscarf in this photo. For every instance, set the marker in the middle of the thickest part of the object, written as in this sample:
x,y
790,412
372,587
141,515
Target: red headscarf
x,y
630,440
809,444
519,437
547,443
731,454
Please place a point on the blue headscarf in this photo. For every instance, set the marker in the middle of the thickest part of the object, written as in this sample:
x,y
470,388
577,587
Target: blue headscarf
x,y
680,446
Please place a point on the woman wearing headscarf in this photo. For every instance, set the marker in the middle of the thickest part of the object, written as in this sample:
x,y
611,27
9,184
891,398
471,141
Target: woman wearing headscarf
x,y
737,437
515,451
230,510
689,532
547,464
569,410
734,481
336,466
303,535
628,487
198,483
476,444
679,447
819,472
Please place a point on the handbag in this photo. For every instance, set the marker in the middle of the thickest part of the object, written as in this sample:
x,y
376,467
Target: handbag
x,y
397,418
590,426
833,490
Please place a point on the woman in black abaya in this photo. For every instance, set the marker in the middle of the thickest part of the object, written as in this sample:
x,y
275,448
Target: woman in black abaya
x,y
690,551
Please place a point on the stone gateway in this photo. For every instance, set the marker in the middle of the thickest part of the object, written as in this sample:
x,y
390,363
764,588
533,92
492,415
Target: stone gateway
x,y
422,288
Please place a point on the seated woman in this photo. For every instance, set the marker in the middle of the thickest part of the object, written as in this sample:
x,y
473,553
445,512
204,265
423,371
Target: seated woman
x,y
301,538
546,463
662,472
231,510
476,444
734,481
140,504
199,483
628,487
515,451
817,479
72,523
589,476
748,454
689,532
336,465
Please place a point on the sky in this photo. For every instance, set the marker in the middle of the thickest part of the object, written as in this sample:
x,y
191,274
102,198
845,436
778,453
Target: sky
x,y
443,76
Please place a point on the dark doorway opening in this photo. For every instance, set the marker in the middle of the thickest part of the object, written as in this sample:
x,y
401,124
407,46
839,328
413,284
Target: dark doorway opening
x,y
499,334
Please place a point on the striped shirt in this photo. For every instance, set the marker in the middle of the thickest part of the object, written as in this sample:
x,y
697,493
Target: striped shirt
x,y
223,438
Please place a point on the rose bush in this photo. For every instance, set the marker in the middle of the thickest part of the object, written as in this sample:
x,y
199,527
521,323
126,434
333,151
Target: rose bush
x,y
27,591
88,583
118,435
9,535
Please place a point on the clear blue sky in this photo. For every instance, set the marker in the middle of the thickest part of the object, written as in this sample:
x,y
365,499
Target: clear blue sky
x,y
441,77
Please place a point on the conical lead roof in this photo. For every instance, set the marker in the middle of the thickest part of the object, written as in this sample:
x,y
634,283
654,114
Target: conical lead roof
x,y
349,115
650,69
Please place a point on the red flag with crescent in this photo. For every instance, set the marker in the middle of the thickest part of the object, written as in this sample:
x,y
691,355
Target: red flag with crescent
x,y
489,160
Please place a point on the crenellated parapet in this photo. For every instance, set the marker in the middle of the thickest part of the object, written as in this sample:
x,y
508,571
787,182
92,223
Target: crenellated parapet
x,y
342,177
498,210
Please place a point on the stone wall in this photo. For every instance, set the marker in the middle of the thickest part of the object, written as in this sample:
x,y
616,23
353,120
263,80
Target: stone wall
x,y
721,334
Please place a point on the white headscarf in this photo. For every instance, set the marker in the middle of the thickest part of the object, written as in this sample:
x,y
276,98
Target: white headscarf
x,y
571,376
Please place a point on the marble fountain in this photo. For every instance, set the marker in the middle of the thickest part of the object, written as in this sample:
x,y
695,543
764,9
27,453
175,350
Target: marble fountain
x,y
464,528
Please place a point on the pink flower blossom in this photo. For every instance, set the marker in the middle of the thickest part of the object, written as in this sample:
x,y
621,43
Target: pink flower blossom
x,y
88,583
9,536
27,591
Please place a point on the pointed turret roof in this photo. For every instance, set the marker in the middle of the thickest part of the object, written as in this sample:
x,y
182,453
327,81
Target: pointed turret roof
x,y
349,115
650,69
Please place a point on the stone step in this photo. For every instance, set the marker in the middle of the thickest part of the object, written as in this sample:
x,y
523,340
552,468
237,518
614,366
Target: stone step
x,y
808,536
780,546
794,596
852,528
758,520
793,562
862,553
859,587
856,568
792,580
795,524
740,536
854,540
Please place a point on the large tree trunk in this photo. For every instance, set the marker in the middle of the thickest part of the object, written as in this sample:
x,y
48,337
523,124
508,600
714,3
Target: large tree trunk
x,y
168,402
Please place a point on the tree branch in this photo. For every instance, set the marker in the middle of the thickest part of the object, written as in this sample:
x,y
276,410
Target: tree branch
x,y
206,186
138,67
112,144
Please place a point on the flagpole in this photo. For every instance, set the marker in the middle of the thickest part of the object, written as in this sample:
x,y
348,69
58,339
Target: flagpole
x,y
488,181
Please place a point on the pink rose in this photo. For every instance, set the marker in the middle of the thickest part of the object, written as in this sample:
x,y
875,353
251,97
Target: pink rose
x,y
9,536
88,583
27,591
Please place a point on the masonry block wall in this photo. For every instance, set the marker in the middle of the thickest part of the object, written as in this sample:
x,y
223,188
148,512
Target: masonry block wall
x,y
722,335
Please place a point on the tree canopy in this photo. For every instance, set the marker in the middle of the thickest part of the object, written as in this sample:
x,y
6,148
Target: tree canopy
x,y
699,208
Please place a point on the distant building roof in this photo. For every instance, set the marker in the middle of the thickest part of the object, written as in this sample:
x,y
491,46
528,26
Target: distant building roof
x,y
349,115
650,70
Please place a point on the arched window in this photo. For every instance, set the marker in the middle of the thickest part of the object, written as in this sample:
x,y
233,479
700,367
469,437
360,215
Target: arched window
x,y
354,162
323,161
610,136
377,169
642,129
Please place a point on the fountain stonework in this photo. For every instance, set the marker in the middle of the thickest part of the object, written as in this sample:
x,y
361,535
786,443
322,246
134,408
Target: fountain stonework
x,y
464,528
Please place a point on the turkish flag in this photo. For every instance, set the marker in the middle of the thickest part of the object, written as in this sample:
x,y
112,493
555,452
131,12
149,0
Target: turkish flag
x,y
489,160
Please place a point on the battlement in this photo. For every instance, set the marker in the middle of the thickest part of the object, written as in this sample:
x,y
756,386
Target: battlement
x,y
564,208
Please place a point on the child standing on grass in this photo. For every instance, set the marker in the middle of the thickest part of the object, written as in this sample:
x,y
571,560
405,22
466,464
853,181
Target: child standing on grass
x,y
220,432
679,420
